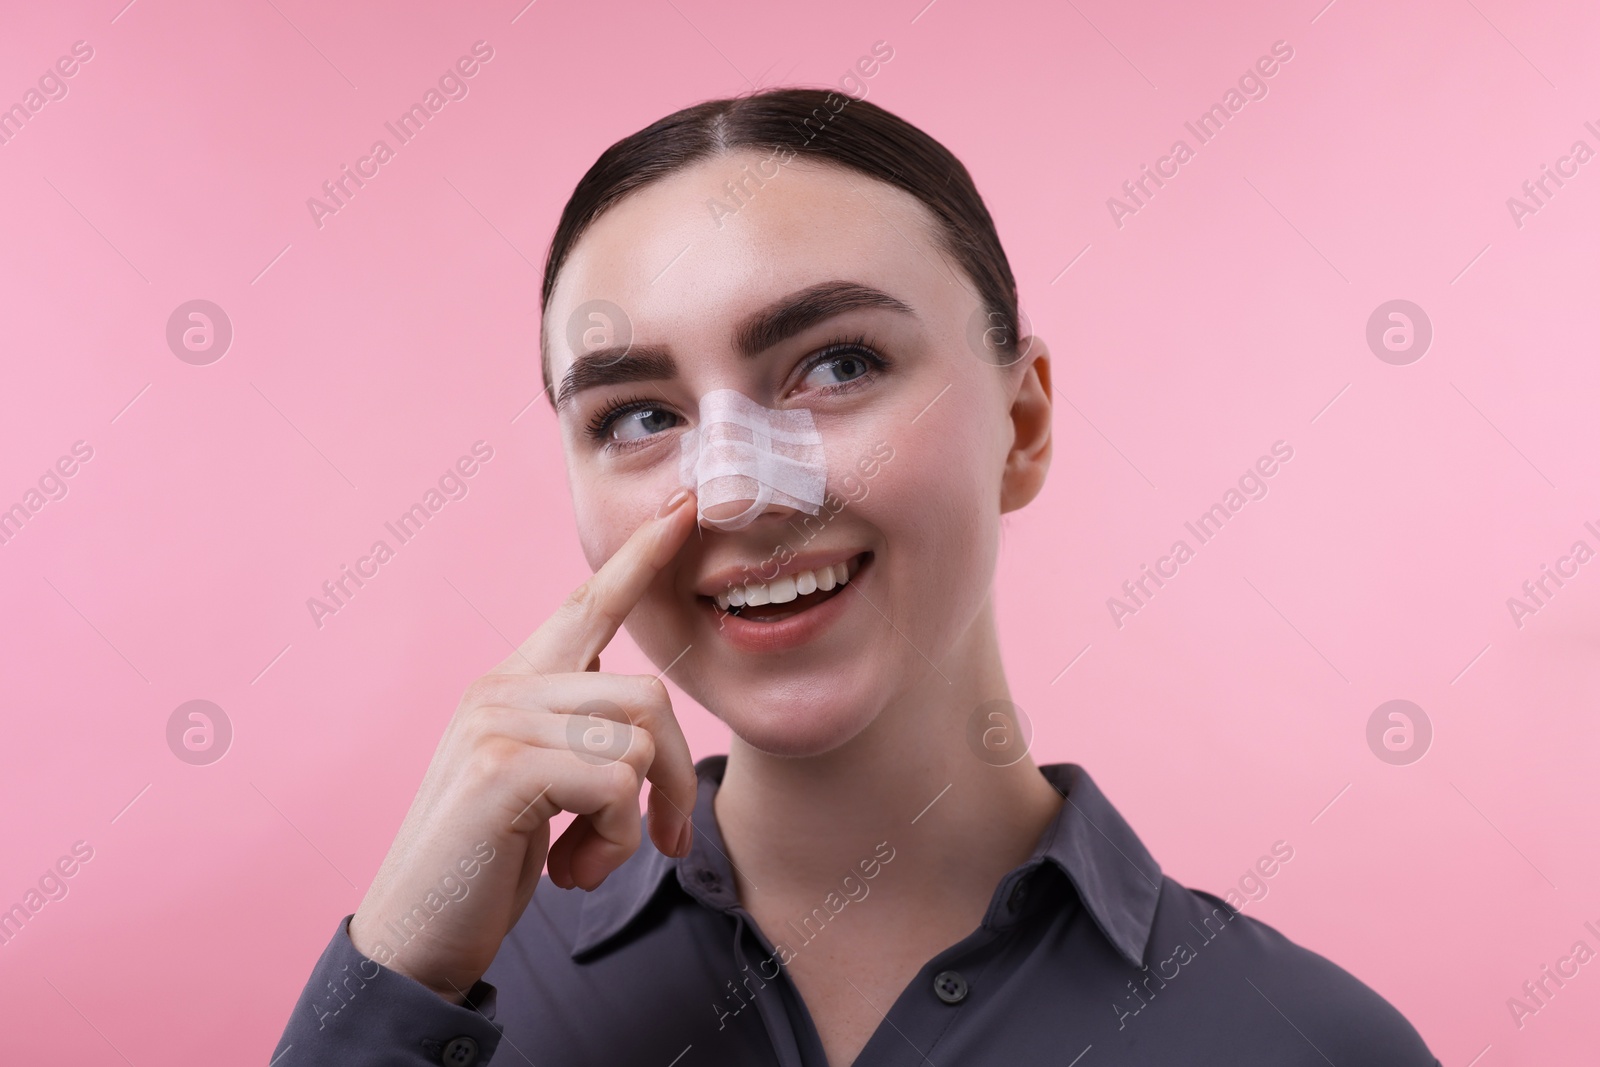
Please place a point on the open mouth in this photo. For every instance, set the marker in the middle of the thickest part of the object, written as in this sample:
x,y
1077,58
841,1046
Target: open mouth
x,y
789,594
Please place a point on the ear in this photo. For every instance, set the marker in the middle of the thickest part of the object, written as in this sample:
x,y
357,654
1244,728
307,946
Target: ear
x,y
1028,460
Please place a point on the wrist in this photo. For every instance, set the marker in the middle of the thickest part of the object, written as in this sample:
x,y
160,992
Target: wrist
x,y
446,991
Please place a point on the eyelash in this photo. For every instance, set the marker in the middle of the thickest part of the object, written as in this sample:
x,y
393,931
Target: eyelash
x,y
600,425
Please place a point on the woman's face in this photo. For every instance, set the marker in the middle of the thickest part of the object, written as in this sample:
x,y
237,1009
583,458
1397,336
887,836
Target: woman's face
x,y
914,425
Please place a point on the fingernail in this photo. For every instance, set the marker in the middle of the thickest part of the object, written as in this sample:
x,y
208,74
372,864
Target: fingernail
x,y
672,503
685,838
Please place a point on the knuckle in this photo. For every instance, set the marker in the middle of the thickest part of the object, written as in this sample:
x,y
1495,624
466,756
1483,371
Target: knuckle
x,y
583,603
492,758
473,723
579,599
494,720
621,779
598,738
653,692
587,609
641,750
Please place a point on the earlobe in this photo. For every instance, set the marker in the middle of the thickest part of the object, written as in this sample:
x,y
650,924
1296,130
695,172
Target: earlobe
x,y
1028,460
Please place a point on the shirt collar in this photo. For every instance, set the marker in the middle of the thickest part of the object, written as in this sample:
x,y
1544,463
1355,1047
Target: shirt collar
x,y
1116,878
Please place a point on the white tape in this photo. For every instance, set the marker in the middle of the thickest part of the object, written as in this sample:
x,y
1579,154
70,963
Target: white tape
x,y
741,452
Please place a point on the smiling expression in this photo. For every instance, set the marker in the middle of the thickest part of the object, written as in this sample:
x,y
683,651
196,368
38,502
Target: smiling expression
x,y
827,291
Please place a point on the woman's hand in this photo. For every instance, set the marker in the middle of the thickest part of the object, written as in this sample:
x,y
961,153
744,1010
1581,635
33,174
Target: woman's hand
x,y
544,732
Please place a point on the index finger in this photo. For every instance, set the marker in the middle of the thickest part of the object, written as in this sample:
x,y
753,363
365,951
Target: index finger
x,y
582,626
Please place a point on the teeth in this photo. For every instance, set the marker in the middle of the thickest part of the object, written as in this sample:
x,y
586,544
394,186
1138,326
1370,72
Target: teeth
x,y
784,589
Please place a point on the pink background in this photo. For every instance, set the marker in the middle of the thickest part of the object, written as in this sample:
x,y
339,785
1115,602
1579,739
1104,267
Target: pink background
x,y
1225,315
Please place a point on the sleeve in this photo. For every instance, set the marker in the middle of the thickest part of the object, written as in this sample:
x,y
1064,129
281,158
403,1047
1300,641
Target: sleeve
x,y
355,1012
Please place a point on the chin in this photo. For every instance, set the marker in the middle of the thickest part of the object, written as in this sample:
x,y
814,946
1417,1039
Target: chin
x,y
799,728
801,714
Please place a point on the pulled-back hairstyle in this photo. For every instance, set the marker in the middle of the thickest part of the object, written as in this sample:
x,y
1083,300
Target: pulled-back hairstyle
x,y
821,126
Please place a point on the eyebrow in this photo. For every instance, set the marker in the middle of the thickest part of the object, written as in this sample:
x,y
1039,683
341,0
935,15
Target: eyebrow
x,y
755,334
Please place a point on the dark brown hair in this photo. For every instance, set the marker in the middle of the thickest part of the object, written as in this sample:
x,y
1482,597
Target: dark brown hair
x,y
822,126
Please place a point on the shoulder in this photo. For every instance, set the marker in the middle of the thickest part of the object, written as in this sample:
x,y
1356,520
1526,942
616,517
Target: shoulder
x,y
1273,978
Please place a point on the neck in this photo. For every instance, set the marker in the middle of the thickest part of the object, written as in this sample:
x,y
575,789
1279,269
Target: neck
x,y
910,778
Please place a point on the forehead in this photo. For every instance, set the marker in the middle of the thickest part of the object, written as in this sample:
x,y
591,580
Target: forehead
x,y
687,255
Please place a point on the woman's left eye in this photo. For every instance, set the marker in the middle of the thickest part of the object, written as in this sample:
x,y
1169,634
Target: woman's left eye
x,y
842,363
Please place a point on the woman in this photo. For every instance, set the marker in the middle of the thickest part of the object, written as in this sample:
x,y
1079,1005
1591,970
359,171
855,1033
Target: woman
x,y
876,872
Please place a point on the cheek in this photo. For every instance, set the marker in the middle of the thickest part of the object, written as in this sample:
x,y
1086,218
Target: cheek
x,y
595,535
948,464
932,499
609,504
605,521
942,491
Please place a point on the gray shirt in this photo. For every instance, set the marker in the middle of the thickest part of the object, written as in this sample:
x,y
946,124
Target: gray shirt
x,y
1087,956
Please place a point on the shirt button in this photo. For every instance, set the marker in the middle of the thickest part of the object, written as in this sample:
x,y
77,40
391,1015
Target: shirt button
x,y
1018,895
461,1052
706,877
951,987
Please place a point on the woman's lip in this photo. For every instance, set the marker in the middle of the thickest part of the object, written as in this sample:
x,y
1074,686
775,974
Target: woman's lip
x,y
748,636
731,577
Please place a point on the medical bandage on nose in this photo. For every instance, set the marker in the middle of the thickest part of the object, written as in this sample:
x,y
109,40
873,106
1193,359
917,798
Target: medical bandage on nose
x,y
743,453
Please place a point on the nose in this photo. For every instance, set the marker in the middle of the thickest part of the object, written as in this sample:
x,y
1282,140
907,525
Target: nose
x,y
744,460
737,509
